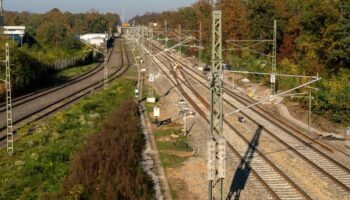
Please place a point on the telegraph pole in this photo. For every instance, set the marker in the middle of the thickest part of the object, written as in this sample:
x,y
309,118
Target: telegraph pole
x,y
2,20
166,33
216,110
150,98
141,65
274,59
200,41
180,37
8,102
309,114
123,20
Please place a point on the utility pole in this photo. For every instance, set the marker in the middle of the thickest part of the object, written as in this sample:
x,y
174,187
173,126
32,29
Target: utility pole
x,y
140,84
141,63
8,102
105,80
310,98
180,37
2,20
216,110
200,41
123,20
274,58
309,114
150,70
166,33
158,31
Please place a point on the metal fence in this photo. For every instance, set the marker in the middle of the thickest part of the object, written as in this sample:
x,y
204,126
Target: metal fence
x,y
73,61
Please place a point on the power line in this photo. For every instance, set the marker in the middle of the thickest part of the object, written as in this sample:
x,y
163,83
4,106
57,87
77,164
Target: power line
x,y
238,45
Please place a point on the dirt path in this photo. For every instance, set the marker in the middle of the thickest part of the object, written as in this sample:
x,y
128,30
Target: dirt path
x,y
160,170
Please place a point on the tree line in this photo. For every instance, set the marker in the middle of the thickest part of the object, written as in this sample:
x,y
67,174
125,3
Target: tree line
x,y
50,37
313,32
60,29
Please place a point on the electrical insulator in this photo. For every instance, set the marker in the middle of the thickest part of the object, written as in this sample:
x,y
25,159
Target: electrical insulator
x,y
211,160
221,158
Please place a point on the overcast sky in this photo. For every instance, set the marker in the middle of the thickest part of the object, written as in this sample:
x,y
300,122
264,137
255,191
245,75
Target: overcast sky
x,y
132,7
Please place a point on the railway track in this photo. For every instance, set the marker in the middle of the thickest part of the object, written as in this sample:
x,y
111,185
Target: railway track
x,y
33,95
292,129
333,171
281,187
61,103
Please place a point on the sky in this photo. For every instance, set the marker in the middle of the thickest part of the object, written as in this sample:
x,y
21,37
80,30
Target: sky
x,y
132,7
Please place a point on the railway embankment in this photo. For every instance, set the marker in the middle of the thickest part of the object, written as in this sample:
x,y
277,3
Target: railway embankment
x,y
60,151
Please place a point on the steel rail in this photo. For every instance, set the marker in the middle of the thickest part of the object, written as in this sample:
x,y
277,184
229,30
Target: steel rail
x,y
345,187
201,112
85,91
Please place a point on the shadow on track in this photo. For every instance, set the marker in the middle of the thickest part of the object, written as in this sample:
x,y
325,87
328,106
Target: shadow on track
x,y
243,171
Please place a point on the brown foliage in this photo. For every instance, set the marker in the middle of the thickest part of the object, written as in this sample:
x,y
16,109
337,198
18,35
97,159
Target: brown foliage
x,y
234,20
202,9
108,167
287,48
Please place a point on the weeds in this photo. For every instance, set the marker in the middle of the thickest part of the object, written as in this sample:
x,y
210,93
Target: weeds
x,y
44,149
109,167
74,71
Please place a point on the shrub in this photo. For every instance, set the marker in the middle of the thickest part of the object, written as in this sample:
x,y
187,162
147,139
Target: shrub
x,y
109,166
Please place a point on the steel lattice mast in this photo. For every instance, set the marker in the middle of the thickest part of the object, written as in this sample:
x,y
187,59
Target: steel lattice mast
x,y
216,147
217,77
8,102
274,59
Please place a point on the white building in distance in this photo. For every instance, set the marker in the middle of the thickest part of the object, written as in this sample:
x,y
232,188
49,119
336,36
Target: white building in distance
x,y
15,32
96,39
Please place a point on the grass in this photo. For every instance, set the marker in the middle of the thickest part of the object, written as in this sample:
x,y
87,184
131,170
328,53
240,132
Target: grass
x,y
175,142
170,143
43,150
171,160
74,71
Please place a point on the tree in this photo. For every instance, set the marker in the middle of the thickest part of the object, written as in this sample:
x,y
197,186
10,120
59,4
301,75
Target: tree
x,y
97,24
317,15
261,14
71,42
55,34
318,20
202,9
234,20
187,18
339,50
